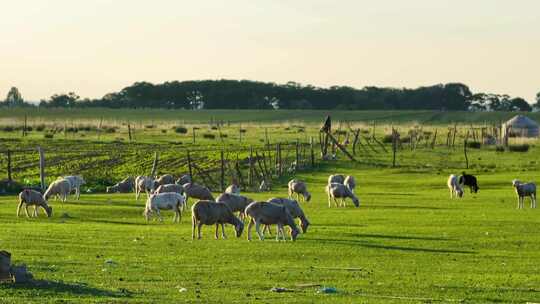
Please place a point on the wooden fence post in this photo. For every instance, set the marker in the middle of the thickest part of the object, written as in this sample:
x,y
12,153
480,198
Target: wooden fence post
x,y
154,165
394,147
312,150
42,167
9,165
279,163
266,136
25,126
129,131
222,171
193,133
240,133
465,150
189,166
250,176
297,158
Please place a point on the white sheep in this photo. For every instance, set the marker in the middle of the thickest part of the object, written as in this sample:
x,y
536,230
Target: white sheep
x,y
454,186
233,189
299,187
350,182
164,201
197,191
340,191
207,212
144,184
336,178
170,188
165,179
295,210
75,183
269,214
33,198
237,203
58,188
523,190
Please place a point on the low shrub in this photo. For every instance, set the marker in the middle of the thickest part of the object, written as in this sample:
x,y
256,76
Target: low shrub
x,y
180,129
519,148
48,135
243,130
163,131
387,139
474,145
209,136
7,128
40,128
214,128
149,126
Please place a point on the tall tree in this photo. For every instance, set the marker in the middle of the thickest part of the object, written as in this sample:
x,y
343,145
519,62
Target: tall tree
x,y
14,98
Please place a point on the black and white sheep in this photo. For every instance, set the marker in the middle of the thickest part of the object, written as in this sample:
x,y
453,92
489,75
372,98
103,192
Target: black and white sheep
x,y
336,178
454,186
165,179
469,180
263,213
523,190
299,188
207,212
184,179
350,182
29,197
339,191
233,189
164,201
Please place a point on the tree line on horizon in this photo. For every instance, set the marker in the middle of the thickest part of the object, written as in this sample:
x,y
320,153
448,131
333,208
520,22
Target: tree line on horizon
x,y
246,94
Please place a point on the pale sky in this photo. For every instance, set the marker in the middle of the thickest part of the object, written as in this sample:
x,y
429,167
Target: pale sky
x,y
94,47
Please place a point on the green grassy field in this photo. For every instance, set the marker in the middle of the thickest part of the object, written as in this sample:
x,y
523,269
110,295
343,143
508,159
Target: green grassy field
x,y
407,243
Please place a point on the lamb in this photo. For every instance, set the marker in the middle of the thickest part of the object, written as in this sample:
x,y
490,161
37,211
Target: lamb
x,y
299,187
340,191
336,178
170,188
469,180
198,192
237,203
75,183
207,212
144,184
58,188
523,190
233,189
295,210
33,198
269,214
184,179
164,201
350,183
454,186
165,179
124,186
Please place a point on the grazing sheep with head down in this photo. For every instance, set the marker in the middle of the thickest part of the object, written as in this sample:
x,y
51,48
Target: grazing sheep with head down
x,y
58,188
270,214
144,184
75,183
294,209
336,178
233,189
165,179
523,190
124,186
469,180
170,188
350,182
237,203
164,201
454,186
206,212
33,198
299,187
340,191
184,179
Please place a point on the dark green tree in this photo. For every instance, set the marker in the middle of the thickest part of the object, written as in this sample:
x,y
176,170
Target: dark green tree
x,y
14,98
61,100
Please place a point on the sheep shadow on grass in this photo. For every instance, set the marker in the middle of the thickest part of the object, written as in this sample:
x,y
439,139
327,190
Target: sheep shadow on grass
x,y
59,287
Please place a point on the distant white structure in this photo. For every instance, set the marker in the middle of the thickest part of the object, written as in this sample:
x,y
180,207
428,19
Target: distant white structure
x,y
522,126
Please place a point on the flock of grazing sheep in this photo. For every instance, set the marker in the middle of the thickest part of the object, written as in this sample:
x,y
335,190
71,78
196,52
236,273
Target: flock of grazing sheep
x,y
166,193
457,183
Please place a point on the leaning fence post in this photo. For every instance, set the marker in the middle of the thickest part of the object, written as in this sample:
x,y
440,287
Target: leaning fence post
x,y
189,166
222,172
42,168
9,165
312,150
154,165
465,150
